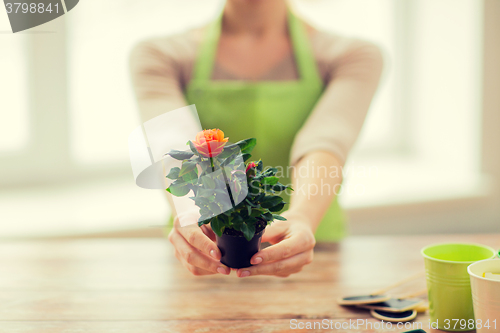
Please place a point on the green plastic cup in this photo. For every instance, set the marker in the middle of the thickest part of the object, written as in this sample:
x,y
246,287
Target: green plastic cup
x,y
448,283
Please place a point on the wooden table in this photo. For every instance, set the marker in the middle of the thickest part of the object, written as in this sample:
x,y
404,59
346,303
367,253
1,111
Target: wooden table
x,y
137,285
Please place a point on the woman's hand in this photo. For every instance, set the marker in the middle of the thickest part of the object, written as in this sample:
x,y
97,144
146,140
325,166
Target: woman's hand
x,y
293,245
196,249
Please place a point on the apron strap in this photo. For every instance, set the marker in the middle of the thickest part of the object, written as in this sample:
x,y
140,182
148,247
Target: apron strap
x,y
304,59
206,57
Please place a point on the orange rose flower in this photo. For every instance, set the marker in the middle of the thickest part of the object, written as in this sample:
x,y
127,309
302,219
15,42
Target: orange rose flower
x,y
210,143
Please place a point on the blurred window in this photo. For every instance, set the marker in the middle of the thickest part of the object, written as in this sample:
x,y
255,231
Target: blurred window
x,y
411,111
14,126
375,21
103,108
420,140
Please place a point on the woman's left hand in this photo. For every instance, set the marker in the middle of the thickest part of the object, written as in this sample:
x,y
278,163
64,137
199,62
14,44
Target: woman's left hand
x,y
293,248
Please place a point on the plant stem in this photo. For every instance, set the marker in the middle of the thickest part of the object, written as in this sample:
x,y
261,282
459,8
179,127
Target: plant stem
x,y
212,164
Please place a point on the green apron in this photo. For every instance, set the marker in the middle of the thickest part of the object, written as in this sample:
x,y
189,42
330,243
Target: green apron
x,y
271,111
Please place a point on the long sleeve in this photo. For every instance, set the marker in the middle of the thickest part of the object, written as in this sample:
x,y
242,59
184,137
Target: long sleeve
x,y
159,68
352,69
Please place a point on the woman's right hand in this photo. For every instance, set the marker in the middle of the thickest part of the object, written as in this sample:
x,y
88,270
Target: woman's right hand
x,y
196,249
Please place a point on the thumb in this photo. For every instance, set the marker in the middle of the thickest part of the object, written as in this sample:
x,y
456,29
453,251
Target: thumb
x,y
273,234
207,230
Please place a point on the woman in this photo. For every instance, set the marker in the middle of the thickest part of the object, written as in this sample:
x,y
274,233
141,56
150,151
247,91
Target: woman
x,y
259,71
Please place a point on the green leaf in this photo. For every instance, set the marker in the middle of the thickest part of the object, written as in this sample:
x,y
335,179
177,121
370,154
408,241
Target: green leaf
x,y
248,230
203,220
247,145
208,182
214,208
280,187
256,213
259,197
227,170
267,216
225,154
194,188
251,204
206,193
244,211
271,201
270,180
205,166
221,192
250,220
279,217
180,155
237,188
223,219
253,187
187,166
228,160
278,207
174,173
246,157
229,150
237,221
193,148
269,172
191,177
217,226
179,189
260,166
201,201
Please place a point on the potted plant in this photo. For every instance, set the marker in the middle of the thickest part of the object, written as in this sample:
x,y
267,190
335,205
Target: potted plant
x,y
238,198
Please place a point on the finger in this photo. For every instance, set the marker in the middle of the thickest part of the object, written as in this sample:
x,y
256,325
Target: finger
x,y
283,267
272,236
196,271
274,233
190,256
208,232
197,238
284,249
193,270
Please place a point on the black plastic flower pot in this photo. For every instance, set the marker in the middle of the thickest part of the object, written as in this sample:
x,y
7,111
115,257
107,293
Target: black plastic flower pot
x,y
236,250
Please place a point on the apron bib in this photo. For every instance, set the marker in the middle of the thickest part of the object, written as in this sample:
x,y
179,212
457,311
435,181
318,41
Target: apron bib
x,y
271,111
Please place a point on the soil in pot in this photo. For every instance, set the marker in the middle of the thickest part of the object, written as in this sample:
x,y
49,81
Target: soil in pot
x,y
236,251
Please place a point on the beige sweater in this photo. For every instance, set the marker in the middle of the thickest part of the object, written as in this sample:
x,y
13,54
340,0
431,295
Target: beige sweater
x,y
350,68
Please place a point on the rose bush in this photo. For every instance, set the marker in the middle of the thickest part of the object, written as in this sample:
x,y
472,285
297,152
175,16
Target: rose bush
x,y
231,195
